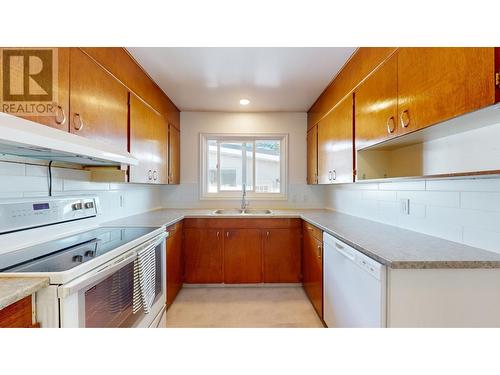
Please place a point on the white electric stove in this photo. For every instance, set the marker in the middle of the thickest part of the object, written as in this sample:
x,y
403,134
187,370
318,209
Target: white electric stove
x,y
92,269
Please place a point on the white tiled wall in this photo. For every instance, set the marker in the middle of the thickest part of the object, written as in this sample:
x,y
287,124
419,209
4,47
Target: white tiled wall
x,y
26,180
466,211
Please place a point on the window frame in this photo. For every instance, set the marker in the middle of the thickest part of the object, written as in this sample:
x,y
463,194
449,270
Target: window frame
x,y
236,195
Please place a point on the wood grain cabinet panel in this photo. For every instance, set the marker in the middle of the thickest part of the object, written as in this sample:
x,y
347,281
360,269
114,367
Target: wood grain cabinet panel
x,y
436,84
174,262
18,315
312,270
60,118
376,106
312,156
203,252
335,145
98,102
174,158
242,256
282,255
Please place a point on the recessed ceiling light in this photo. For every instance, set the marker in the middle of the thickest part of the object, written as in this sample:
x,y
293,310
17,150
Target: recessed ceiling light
x,y
244,101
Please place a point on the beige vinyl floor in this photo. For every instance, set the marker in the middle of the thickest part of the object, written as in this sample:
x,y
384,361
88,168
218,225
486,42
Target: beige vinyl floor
x,y
245,307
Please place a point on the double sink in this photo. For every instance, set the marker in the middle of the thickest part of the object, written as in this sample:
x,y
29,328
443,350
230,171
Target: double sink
x,y
243,212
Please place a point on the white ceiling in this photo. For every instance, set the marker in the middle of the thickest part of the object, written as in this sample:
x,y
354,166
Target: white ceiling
x,y
215,79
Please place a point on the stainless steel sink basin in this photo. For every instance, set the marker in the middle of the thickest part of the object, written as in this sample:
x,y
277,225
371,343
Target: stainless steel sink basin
x,y
257,212
228,212
243,212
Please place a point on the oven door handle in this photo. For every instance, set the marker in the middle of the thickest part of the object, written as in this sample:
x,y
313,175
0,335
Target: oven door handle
x,y
94,276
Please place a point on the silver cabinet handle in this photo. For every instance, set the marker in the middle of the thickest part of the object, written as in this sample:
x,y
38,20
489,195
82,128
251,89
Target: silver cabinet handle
x,y
227,234
334,172
218,234
78,125
155,175
150,175
60,115
267,234
319,251
329,175
391,126
405,118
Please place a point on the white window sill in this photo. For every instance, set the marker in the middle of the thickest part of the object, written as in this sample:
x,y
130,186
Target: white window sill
x,y
249,197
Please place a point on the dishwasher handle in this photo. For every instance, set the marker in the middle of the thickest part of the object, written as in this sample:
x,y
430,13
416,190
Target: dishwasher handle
x,y
340,249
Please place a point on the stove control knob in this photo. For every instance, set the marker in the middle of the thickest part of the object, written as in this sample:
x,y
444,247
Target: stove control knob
x,y
77,206
89,205
78,259
90,253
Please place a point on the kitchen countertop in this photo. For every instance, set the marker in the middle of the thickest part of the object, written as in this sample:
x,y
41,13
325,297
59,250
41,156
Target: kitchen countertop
x,y
13,289
395,247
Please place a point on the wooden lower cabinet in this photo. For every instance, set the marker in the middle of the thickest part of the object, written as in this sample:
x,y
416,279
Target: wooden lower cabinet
x,y
281,251
203,255
174,262
242,256
239,251
312,267
18,315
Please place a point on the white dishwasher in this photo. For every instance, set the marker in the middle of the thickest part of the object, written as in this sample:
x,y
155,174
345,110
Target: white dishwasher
x,y
354,287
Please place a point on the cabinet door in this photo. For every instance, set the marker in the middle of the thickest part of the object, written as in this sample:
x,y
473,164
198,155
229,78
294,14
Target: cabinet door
x,y
160,160
312,270
60,104
436,84
335,144
282,255
312,156
202,255
98,102
18,315
142,134
174,262
174,149
242,256
376,107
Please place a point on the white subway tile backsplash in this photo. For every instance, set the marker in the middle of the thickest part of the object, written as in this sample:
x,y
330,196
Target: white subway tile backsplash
x,y
486,184
11,169
433,198
28,184
66,173
480,201
464,210
406,185
75,185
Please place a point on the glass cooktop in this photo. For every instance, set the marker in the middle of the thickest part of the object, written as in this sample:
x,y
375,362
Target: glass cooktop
x,y
69,252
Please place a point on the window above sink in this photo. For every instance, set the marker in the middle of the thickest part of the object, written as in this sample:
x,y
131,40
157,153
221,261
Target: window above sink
x,y
230,161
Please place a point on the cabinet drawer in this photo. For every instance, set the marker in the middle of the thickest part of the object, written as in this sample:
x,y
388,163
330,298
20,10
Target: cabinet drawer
x,y
315,231
17,315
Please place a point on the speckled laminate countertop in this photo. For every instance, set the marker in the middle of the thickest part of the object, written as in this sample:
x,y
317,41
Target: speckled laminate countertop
x,y
13,289
395,247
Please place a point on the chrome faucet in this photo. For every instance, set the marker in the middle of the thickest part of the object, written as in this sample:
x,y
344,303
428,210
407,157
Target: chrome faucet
x,y
244,203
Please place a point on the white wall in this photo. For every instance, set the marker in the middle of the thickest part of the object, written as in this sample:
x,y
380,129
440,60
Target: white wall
x,y
466,211
186,195
26,180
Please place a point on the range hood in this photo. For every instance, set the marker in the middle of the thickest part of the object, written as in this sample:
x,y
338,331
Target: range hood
x,y
24,138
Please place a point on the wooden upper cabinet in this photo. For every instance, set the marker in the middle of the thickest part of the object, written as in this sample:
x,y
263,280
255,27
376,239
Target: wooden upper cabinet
x,y
148,143
242,256
312,155
174,156
60,104
436,84
282,255
376,106
98,102
335,144
202,249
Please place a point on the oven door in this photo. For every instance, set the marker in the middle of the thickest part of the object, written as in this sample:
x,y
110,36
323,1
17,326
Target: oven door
x,y
103,298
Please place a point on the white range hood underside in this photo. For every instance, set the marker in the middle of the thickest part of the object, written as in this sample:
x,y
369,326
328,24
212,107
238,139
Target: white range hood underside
x,y
24,138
